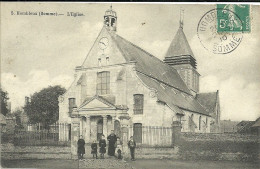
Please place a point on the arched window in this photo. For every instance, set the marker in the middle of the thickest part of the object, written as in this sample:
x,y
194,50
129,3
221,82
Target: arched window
x,y
200,123
103,83
192,125
72,103
138,103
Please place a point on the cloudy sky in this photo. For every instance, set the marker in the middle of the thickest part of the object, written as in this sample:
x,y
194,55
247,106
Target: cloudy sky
x,y
38,51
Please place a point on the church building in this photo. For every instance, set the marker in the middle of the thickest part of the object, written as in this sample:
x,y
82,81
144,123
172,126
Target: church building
x,y
120,86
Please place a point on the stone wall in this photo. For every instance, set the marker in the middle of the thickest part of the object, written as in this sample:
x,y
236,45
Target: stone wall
x,y
9,151
219,137
236,147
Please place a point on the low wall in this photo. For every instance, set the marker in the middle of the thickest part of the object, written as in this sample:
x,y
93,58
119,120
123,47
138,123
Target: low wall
x,y
156,153
219,137
9,151
235,147
190,147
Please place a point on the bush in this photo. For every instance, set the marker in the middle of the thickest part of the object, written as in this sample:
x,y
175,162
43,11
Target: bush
x,y
7,138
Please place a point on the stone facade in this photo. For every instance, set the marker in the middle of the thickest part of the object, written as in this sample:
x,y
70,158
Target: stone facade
x,y
102,96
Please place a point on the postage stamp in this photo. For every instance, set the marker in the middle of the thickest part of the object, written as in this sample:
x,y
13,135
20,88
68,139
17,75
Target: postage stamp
x,y
233,18
214,41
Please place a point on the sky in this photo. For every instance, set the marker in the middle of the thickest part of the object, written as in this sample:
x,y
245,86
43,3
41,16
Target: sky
x,y
38,51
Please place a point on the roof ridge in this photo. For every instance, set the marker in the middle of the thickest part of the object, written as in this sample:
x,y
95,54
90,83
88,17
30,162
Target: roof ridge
x,y
159,81
141,49
118,46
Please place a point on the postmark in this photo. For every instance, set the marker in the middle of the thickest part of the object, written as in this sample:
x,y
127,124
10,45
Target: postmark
x,y
233,18
214,41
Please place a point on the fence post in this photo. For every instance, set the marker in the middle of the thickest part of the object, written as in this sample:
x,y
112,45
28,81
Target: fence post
x,y
176,132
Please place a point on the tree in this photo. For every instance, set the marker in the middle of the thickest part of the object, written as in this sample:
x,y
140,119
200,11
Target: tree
x,y
4,98
44,106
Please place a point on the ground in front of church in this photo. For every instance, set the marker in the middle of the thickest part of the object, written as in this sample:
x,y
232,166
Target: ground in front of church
x,y
119,164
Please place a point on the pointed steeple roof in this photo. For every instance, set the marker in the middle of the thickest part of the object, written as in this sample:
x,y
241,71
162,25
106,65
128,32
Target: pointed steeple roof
x,y
179,45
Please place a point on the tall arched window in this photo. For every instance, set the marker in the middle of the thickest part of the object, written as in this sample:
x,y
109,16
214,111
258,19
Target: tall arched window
x,y
138,103
200,123
103,83
72,103
191,121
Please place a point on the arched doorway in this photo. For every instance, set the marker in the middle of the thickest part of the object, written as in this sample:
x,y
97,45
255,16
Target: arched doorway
x,y
99,129
117,129
138,132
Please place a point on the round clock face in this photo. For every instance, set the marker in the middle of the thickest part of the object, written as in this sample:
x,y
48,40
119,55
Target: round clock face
x,y
103,43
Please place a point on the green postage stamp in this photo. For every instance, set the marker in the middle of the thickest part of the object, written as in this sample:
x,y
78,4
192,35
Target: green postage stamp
x,y
233,18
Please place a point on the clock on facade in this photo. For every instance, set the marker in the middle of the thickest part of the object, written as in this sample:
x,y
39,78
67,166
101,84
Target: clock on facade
x,y
103,43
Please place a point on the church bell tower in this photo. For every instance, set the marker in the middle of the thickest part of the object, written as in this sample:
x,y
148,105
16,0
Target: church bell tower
x,y
110,19
180,56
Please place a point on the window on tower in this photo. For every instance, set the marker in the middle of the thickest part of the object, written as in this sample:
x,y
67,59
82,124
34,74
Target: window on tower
x,y
113,21
106,20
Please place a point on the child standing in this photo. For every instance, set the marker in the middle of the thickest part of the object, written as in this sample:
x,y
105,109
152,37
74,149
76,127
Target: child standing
x,y
132,145
118,146
94,149
102,145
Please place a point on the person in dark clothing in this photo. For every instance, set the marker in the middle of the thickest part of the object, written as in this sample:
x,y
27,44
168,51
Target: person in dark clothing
x,y
119,154
111,143
132,145
81,147
102,145
94,149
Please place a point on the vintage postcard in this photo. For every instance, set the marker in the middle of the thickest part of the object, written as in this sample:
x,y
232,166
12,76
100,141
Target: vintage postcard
x,y
130,85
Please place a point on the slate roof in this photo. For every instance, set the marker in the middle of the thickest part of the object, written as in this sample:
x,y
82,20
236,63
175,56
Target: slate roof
x,y
257,123
173,98
245,123
155,74
244,126
208,100
179,45
150,65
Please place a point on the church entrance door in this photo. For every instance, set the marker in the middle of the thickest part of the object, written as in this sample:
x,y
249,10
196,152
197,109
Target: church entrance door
x,y
99,129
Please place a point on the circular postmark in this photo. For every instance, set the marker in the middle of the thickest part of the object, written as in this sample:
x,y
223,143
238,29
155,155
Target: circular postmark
x,y
211,39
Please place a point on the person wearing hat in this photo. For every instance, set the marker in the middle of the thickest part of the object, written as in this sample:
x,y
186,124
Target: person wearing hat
x,y
111,143
132,145
81,147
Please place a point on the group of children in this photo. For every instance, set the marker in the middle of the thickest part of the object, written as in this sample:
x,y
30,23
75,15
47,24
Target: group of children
x,y
118,147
